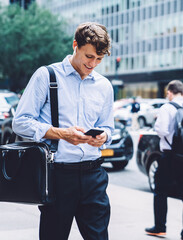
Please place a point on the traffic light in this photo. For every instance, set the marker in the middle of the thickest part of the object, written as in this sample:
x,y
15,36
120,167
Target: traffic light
x,y
118,60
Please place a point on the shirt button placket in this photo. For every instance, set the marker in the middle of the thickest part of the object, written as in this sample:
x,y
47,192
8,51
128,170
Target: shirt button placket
x,y
80,112
80,105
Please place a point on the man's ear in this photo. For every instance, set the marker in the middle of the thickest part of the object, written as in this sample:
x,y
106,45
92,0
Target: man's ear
x,y
74,44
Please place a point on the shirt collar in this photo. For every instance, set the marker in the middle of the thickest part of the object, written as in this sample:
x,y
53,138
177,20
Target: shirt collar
x,y
177,98
68,68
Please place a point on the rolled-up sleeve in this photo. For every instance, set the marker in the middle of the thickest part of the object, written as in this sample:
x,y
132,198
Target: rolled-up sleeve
x,y
27,122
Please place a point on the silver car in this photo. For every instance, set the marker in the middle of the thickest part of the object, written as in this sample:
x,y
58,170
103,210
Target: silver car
x,y
149,110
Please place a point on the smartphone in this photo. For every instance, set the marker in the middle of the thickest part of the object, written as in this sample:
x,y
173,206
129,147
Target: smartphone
x,y
94,132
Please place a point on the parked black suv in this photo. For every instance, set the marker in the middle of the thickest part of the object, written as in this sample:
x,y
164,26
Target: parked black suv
x,y
6,125
120,151
148,154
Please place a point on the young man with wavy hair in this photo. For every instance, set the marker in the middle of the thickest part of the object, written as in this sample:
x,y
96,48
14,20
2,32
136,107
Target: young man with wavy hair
x,y
85,100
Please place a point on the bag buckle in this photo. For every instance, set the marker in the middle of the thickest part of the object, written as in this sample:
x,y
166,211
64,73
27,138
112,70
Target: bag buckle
x,y
53,85
51,157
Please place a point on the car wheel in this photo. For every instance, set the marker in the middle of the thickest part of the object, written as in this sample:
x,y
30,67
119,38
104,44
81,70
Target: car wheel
x,y
119,165
151,173
141,122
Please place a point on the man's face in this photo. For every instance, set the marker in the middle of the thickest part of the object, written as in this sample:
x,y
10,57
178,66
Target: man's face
x,y
85,59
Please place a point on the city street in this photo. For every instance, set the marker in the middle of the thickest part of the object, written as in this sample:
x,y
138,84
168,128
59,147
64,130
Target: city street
x,y
130,177
131,210
70,65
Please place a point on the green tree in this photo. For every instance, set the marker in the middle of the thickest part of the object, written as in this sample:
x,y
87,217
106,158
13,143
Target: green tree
x,y
29,39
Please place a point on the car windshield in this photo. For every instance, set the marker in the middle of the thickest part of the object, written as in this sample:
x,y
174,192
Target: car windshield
x,y
12,100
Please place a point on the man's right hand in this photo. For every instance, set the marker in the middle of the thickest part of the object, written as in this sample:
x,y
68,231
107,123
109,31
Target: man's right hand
x,y
71,135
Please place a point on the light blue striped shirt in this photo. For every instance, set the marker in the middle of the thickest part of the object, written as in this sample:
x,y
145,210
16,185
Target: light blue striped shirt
x,y
86,103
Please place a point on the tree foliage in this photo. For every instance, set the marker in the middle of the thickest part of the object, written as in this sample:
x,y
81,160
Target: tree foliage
x,y
29,39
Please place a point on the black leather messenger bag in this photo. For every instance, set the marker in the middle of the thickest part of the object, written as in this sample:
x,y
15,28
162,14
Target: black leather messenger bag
x,y
27,168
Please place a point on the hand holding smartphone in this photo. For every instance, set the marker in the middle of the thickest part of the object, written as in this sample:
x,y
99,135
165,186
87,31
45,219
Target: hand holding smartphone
x,y
94,132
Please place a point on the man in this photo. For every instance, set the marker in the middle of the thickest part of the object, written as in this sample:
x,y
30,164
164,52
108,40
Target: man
x,y
164,127
85,100
135,109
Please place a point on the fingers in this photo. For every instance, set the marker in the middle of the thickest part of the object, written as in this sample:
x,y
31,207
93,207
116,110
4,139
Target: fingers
x,y
79,129
98,141
74,137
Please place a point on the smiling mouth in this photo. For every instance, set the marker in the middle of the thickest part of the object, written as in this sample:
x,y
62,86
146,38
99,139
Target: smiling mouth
x,y
89,68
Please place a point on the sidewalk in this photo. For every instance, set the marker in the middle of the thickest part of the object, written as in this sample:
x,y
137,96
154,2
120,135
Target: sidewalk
x,y
131,212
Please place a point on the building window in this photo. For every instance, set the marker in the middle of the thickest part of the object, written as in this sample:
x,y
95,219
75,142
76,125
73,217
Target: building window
x,y
150,12
155,44
149,47
162,9
181,5
112,22
138,15
128,4
143,46
174,58
174,41
103,11
168,7
161,43
117,35
143,61
121,49
112,34
181,40
168,42
132,17
122,18
117,8
143,13
175,6
156,11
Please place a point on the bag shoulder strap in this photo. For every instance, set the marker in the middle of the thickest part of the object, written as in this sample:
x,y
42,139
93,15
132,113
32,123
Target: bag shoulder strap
x,y
177,106
53,104
54,108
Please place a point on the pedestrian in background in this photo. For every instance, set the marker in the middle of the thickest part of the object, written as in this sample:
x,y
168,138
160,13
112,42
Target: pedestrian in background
x,y
134,110
85,100
164,175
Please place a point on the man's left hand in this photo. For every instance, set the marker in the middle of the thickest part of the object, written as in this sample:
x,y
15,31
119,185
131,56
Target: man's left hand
x,y
99,140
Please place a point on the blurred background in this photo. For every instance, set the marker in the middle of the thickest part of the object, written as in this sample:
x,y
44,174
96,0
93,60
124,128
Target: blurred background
x,y
146,53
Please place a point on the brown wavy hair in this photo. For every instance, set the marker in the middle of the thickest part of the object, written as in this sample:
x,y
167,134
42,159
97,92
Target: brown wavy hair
x,y
95,34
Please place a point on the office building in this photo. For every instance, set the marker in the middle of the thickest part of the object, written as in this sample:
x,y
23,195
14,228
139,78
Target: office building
x,y
147,39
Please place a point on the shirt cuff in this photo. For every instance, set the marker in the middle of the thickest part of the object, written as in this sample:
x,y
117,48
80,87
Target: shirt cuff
x,y
41,131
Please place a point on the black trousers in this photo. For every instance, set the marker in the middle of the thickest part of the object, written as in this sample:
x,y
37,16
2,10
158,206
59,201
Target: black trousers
x,y
168,182
80,194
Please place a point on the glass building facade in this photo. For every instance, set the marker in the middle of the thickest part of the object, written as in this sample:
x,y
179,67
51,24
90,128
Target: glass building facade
x,y
147,35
